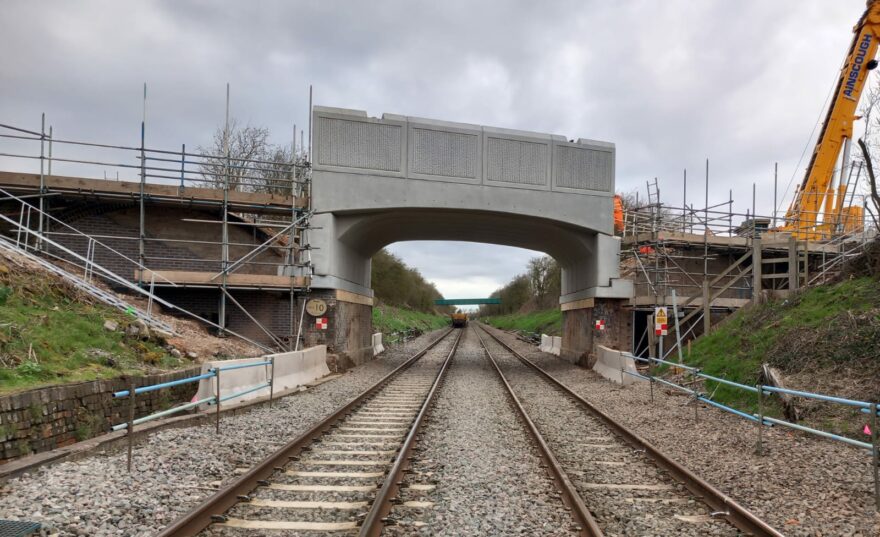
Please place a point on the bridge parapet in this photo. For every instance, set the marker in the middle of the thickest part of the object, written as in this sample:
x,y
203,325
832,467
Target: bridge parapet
x,y
429,154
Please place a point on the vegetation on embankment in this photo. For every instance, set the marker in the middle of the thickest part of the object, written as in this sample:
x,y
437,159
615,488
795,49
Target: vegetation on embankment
x,y
389,319
542,322
404,299
397,284
50,333
825,339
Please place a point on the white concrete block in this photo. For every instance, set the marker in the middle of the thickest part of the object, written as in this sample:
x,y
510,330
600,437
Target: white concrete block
x,y
378,348
556,348
292,370
609,363
546,343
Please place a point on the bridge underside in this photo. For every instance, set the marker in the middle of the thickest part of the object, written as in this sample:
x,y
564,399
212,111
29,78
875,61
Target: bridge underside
x,y
588,259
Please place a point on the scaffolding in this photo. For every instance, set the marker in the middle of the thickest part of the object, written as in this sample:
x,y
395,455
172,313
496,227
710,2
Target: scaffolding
x,y
707,262
267,199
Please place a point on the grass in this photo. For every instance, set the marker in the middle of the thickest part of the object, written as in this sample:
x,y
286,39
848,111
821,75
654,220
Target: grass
x,y
543,322
831,332
387,319
50,335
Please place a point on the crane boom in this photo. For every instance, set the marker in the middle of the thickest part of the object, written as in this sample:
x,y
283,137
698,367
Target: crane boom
x,y
818,194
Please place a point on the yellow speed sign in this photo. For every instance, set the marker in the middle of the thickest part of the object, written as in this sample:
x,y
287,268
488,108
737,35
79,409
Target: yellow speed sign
x,y
316,307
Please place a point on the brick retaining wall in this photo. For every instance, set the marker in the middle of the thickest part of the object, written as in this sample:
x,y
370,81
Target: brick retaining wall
x,y
47,418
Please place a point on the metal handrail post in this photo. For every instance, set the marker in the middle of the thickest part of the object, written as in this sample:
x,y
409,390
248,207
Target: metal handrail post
x,y
130,432
217,394
875,453
759,448
272,382
182,165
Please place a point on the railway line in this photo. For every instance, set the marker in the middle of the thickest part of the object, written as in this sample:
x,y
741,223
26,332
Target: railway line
x,y
354,472
630,487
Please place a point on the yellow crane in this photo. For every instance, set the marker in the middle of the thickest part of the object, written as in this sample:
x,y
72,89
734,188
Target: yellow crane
x,y
823,190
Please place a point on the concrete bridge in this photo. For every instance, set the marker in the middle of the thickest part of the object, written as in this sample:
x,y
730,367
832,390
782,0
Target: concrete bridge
x,y
380,181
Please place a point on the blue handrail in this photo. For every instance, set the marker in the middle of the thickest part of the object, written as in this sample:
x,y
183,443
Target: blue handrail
x,y
154,387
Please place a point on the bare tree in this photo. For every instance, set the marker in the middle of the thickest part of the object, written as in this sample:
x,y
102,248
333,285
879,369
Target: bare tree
x,y
253,164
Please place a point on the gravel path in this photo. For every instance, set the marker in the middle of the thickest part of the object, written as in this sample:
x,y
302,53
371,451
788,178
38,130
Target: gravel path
x,y
176,468
802,486
476,464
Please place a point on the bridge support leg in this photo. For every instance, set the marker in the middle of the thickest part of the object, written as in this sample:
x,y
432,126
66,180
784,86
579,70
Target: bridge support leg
x,y
588,323
349,327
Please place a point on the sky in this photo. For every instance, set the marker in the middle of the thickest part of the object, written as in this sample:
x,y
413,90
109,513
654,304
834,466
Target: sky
x,y
669,82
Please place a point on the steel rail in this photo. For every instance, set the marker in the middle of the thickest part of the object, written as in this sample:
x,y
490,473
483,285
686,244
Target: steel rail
x,y
570,496
735,513
199,518
374,522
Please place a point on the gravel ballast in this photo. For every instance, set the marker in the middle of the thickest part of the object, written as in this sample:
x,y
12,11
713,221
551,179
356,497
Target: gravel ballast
x,y
175,469
802,485
624,490
476,463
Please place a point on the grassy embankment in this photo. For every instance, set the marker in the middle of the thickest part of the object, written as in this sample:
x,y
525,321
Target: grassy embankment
x,y
825,340
542,322
50,334
388,319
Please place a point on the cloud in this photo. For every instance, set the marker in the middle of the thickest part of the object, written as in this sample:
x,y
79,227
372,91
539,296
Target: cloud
x,y
670,83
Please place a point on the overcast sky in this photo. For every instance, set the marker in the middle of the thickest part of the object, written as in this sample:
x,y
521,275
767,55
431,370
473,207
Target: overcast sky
x,y
670,82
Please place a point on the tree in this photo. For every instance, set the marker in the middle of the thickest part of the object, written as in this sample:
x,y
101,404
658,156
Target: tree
x,y
396,284
545,279
253,165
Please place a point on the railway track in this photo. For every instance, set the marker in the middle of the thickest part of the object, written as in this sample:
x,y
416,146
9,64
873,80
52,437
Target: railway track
x,y
613,480
332,469
345,474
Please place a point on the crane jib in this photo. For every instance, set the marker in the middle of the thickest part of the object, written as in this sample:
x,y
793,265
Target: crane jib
x,y
856,69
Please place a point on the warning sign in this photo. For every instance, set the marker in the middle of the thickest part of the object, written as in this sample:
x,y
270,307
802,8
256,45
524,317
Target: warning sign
x,y
600,324
321,323
661,319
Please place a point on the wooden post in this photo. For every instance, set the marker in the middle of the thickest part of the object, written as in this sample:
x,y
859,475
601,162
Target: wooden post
x,y
707,310
652,339
757,269
793,269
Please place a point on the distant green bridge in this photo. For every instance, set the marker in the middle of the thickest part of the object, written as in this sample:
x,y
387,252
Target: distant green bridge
x,y
466,301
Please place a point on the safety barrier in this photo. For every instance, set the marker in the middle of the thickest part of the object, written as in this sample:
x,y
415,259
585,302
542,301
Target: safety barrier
x,y
289,370
546,343
760,419
556,346
610,363
221,381
378,348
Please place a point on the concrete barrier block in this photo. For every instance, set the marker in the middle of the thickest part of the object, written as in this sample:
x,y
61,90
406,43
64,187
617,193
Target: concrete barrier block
x,y
378,348
292,370
546,343
609,363
556,348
